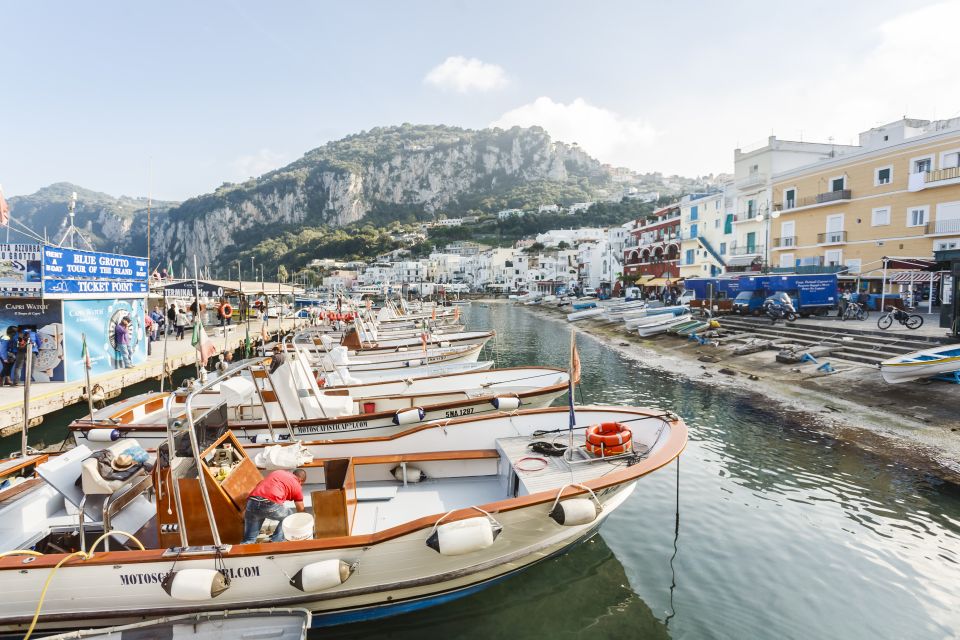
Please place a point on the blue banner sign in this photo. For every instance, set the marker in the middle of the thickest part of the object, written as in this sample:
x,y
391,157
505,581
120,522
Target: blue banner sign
x,y
74,264
94,288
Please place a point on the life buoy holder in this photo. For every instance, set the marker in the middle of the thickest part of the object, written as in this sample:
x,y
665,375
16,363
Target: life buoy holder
x,y
226,310
609,439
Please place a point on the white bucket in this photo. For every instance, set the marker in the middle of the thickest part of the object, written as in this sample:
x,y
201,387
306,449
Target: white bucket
x,y
298,526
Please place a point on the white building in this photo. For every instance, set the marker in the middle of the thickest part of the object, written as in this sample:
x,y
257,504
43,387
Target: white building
x,y
509,213
548,208
579,206
554,237
449,222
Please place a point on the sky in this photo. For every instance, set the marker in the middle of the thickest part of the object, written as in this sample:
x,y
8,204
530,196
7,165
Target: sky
x,y
174,98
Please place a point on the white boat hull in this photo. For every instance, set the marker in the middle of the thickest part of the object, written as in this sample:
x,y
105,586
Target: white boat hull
x,y
921,364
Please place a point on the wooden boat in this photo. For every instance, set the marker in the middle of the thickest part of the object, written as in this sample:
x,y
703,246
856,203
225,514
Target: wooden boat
x,y
401,523
289,403
263,624
916,365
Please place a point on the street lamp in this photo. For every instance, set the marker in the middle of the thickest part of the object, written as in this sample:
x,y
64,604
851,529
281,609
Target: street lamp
x,y
773,215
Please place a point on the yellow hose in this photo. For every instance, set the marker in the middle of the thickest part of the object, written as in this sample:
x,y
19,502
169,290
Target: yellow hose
x,y
20,552
86,555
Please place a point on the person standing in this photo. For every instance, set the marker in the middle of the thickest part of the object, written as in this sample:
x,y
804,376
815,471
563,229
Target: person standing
x,y
171,318
267,501
121,334
157,316
26,339
180,322
8,353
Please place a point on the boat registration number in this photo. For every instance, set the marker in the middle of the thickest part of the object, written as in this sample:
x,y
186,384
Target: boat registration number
x,y
456,413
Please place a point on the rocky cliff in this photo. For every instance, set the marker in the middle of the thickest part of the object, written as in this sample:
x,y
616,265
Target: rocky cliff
x,y
384,174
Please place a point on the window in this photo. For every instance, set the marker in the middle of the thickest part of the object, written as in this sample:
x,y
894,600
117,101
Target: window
x,y
833,257
693,231
917,216
950,160
694,213
945,245
728,224
723,248
882,175
881,216
921,165
786,260
716,223
836,184
853,265
751,208
789,198
689,257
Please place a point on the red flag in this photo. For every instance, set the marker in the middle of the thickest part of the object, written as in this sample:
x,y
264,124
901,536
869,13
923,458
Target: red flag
x,y
574,359
4,210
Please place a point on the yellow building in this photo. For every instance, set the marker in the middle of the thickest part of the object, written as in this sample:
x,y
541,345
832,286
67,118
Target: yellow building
x,y
899,196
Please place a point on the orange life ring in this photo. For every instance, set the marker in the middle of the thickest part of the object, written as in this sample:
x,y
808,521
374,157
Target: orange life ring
x,y
609,435
226,310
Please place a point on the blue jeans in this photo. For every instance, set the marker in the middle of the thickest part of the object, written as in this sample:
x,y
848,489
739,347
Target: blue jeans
x,y
259,509
124,350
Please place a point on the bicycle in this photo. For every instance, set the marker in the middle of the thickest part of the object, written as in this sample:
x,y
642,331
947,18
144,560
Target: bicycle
x,y
855,311
909,320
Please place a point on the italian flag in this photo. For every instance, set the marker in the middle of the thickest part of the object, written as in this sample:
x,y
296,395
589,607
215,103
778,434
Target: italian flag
x,y
202,343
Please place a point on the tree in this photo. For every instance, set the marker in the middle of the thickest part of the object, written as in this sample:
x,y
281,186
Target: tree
x,y
282,274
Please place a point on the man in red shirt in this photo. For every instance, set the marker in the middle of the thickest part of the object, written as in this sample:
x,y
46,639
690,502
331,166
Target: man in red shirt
x,y
267,501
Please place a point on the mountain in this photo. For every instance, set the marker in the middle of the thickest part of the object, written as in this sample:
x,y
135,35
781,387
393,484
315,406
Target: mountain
x,y
109,223
404,173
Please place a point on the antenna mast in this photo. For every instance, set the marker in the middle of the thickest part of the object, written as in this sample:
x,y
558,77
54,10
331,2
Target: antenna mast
x,y
71,229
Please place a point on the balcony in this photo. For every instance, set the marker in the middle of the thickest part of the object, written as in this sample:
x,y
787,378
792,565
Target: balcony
x,y
748,250
687,219
745,217
828,197
752,180
689,235
654,222
832,237
937,178
943,226
785,242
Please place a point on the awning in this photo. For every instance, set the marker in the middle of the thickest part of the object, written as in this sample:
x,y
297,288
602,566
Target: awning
x,y
658,282
917,277
742,261
643,279
908,263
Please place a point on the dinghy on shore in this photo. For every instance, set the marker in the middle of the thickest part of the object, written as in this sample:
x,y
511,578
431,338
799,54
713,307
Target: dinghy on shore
x,y
916,365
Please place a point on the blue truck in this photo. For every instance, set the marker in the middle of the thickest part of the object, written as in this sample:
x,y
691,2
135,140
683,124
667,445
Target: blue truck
x,y
811,294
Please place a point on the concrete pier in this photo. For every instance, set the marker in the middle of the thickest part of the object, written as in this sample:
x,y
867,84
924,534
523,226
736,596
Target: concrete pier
x,y
48,397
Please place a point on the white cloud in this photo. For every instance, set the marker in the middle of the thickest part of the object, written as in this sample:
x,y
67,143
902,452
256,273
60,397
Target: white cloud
x,y
606,135
257,164
465,75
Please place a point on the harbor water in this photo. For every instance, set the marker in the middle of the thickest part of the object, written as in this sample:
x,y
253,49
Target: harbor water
x,y
765,529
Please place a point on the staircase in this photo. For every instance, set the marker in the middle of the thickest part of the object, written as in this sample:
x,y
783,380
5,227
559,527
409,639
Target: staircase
x,y
857,345
716,256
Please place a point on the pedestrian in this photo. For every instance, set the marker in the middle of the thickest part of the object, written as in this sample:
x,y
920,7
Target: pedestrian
x,y
157,316
844,302
267,499
121,335
180,322
26,339
171,317
8,353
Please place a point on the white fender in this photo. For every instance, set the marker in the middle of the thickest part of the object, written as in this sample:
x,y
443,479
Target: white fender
x,y
506,403
261,438
195,584
414,474
408,416
463,536
575,511
318,576
103,435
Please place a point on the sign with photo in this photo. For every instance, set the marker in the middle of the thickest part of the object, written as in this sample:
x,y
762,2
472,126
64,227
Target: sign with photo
x,y
20,269
98,319
43,317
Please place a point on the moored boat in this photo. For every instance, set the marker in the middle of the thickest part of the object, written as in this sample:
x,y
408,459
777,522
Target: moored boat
x,y
927,363
398,525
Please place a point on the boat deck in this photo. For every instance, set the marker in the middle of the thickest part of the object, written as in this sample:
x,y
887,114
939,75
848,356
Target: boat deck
x,y
558,471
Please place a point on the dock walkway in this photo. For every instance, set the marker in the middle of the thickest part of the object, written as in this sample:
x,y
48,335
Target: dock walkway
x,y
48,397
